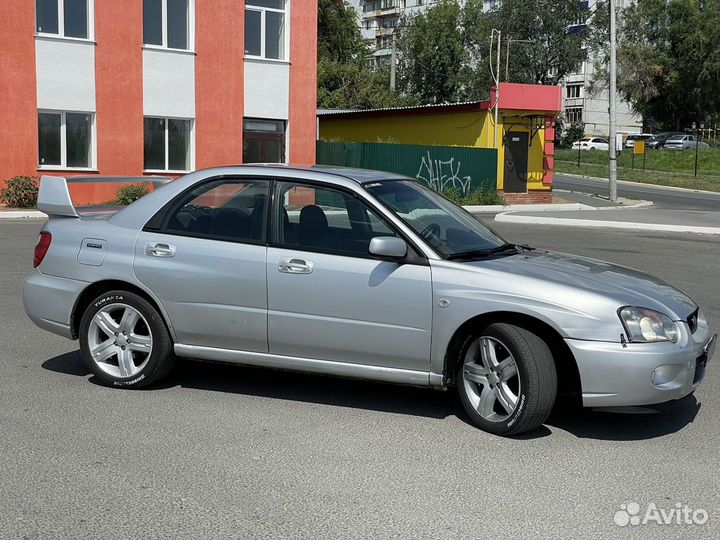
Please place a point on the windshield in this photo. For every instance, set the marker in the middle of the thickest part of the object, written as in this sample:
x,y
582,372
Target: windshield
x,y
448,229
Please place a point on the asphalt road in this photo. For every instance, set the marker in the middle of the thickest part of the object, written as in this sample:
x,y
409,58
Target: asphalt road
x,y
661,197
233,452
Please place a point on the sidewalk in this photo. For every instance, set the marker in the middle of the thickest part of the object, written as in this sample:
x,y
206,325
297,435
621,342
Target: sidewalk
x,y
20,213
645,219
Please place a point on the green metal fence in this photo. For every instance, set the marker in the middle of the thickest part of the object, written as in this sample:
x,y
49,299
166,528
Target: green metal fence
x,y
440,167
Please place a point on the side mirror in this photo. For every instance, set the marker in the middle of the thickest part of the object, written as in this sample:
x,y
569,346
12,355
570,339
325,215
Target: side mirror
x,y
388,247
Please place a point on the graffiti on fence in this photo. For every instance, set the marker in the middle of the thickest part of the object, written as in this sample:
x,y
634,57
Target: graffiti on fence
x,y
441,175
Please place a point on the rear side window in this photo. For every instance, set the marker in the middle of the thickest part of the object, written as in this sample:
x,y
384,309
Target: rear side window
x,y
227,209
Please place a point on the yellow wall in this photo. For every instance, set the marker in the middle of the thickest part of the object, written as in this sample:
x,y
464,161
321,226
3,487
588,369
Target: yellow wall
x,y
475,129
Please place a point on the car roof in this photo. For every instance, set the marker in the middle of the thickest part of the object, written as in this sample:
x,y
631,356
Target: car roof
x,y
678,136
361,176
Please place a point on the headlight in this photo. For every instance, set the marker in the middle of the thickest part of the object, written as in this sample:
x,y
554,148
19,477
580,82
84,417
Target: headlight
x,y
646,325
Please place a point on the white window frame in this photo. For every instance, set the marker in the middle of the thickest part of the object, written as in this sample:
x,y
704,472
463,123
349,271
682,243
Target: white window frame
x,y
92,157
191,142
61,23
575,87
164,30
286,41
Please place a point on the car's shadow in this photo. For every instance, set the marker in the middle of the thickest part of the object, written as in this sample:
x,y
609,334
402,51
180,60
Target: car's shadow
x,y
325,390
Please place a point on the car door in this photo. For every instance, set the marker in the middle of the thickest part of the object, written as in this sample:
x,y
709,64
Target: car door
x,y
328,299
205,261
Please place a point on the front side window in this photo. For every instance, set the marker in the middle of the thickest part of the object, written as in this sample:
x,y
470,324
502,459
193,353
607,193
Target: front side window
x,y
67,18
65,140
166,23
168,144
315,218
448,229
265,29
227,209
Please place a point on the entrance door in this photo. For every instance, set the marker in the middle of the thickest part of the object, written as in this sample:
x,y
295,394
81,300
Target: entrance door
x,y
516,162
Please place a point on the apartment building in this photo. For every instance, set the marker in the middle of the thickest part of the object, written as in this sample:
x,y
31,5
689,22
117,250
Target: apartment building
x,y
379,18
155,86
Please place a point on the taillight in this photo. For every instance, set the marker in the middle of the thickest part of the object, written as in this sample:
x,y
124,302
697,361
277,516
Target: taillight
x,y
41,249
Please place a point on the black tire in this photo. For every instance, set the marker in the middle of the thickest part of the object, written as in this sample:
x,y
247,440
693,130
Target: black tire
x,y
161,358
535,371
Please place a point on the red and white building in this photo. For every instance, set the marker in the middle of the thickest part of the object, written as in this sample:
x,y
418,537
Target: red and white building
x,y
137,87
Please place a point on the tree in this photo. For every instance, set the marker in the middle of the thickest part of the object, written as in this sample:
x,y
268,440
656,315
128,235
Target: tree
x,y
668,60
441,53
555,38
444,52
346,79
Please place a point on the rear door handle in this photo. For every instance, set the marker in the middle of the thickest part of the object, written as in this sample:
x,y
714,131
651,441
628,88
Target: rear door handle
x,y
158,249
290,265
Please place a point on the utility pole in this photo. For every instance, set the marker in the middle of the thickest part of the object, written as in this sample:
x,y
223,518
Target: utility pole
x,y
496,79
613,95
393,63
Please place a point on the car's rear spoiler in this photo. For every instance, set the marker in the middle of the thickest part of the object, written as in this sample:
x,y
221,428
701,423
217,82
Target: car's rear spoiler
x,y
54,196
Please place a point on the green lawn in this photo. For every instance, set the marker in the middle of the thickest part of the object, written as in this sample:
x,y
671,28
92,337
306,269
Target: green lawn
x,y
661,167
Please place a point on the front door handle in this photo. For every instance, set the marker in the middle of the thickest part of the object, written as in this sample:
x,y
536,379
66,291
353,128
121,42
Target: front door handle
x,y
291,265
158,249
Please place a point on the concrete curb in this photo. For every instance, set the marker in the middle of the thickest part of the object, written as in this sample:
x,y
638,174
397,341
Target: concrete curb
x,y
497,208
642,184
564,207
509,217
22,214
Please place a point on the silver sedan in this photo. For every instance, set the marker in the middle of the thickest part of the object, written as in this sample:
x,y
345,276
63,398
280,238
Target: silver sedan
x,y
355,273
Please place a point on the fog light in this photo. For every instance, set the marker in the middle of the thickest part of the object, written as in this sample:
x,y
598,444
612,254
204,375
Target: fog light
x,y
663,375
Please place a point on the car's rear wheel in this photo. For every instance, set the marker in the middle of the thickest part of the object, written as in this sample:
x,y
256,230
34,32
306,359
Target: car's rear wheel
x,y
506,379
124,340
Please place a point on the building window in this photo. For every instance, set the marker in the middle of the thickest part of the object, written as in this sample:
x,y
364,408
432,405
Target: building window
x,y
265,29
168,144
263,141
166,23
573,115
65,140
66,18
573,90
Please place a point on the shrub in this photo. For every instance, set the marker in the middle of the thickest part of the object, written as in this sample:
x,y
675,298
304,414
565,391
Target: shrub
x,y
574,132
20,192
129,194
475,197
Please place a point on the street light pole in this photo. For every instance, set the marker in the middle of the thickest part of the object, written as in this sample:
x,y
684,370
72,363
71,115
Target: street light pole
x,y
613,95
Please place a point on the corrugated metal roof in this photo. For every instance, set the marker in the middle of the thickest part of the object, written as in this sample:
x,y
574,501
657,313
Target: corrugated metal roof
x,y
419,109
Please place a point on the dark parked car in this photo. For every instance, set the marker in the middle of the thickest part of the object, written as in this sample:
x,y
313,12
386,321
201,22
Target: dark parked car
x,y
657,141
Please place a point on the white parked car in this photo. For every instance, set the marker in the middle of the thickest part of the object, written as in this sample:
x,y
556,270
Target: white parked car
x,y
630,141
591,143
684,142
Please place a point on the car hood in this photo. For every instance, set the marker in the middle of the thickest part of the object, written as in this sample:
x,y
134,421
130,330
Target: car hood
x,y
622,285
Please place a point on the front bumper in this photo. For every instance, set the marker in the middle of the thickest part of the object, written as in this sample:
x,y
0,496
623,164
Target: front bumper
x,y
613,375
49,301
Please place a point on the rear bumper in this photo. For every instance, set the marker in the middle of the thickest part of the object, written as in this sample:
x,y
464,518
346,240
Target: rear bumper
x,y
640,373
49,301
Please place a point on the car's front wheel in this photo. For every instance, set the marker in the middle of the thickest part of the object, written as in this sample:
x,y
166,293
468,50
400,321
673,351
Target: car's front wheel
x,y
506,379
124,340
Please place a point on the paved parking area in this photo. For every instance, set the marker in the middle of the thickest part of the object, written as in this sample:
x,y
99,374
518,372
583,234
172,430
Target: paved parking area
x,y
234,452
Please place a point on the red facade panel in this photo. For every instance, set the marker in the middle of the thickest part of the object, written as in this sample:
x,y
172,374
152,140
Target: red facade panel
x,y
303,81
18,91
219,76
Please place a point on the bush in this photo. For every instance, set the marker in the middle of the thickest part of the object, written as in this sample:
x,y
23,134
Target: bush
x,y
20,192
475,197
573,133
129,194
